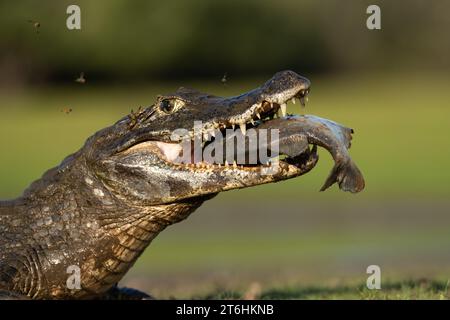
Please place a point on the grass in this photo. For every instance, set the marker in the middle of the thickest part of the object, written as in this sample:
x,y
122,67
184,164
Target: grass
x,y
403,290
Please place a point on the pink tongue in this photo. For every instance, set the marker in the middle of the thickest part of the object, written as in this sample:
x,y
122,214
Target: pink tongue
x,y
170,150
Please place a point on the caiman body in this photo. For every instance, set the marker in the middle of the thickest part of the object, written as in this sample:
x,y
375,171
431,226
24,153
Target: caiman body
x,y
103,205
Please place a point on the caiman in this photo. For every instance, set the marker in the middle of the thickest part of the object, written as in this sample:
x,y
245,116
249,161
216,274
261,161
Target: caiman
x,y
101,207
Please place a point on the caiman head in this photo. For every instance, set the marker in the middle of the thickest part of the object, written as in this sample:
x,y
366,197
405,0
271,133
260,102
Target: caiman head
x,y
136,158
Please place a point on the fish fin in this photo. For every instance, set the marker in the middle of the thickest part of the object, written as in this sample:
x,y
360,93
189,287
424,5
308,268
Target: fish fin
x,y
347,175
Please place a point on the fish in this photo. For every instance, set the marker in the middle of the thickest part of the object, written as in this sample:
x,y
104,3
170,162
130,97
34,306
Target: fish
x,y
303,130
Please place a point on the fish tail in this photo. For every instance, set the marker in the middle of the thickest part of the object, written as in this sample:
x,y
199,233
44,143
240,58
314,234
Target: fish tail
x,y
347,175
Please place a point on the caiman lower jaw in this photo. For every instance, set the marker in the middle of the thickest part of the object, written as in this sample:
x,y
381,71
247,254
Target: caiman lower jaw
x,y
169,153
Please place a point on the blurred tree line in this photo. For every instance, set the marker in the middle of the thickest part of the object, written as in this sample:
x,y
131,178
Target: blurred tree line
x,y
139,40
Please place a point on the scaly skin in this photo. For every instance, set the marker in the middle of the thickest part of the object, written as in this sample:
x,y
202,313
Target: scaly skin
x,y
103,205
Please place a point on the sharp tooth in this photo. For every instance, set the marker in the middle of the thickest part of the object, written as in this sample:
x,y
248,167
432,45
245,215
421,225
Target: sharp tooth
x,y
205,136
293,100
258,115
233,125
302,101
252,121
283,107
243,128
234,164
226,163
213,133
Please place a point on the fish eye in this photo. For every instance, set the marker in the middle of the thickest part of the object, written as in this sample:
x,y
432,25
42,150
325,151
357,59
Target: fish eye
x,y
170,105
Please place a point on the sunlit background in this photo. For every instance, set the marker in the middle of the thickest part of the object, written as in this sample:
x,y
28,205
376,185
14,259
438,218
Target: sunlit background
x,y
287,240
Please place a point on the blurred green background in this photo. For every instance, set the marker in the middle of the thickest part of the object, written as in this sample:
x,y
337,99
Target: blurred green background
x,y
390,85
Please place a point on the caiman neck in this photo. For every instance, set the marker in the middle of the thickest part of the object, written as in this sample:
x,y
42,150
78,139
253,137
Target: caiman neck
x,y
82,224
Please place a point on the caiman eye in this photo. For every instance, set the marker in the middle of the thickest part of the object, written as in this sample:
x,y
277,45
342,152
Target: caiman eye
x,y
171,105
167,106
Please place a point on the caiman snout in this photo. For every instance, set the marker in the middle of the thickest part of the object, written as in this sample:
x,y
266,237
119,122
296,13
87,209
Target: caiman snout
x,y
285,85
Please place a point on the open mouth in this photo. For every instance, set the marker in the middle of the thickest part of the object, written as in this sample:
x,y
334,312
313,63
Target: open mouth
x,y
267,110
184,154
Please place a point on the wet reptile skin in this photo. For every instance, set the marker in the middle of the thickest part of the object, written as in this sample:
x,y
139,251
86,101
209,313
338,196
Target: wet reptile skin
x,y
103,205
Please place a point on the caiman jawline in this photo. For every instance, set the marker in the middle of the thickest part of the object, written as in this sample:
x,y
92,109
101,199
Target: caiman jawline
x,y
268,109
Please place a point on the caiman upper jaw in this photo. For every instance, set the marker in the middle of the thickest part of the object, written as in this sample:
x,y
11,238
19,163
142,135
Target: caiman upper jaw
x,y
272,98
264,104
